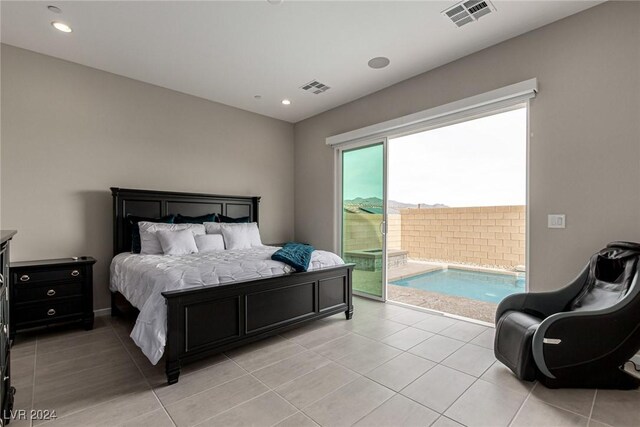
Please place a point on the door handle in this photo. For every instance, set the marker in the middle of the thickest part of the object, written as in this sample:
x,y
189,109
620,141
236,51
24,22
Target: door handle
x,y
383,226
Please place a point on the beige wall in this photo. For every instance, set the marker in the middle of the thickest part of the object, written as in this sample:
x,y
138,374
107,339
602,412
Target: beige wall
x,y
361,231
394,231
70,132
585,133
487,235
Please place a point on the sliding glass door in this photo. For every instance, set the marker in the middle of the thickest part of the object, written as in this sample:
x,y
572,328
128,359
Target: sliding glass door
x,y
363,217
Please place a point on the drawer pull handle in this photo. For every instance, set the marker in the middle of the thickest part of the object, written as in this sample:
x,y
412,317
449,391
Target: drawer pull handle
x,y
51,312
25,278
75,273
51,292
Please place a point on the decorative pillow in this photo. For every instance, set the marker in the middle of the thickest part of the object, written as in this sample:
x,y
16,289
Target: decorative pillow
x,y
213,227
180,219
179,242
150,245
135,230
241,236
209,243
229,220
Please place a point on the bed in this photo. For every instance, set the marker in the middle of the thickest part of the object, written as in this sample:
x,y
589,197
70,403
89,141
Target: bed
x,y
210,318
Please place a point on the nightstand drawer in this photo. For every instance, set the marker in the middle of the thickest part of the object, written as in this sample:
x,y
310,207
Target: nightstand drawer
x,y
51,291
42,291
51,275
47,311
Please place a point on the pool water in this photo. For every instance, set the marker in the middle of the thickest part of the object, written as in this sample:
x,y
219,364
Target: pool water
x,y
481,286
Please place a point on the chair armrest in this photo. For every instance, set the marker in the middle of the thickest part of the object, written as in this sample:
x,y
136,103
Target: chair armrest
x,y
544,304
589,334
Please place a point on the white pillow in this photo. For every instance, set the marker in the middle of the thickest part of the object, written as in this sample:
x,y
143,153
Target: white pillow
x,y
209,243
241,236
149,243
212,227
179,242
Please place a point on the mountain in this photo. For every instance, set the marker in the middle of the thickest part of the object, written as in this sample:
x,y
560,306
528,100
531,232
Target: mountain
x,y
393,205
399,205
369,201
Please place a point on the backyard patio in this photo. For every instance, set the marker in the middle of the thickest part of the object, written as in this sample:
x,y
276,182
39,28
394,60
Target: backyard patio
x,y
438,301
488,242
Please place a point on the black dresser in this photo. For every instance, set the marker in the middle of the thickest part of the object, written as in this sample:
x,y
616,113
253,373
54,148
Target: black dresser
x,y
6,391
49,292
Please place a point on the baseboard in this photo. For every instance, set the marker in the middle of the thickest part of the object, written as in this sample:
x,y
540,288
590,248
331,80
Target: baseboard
x,y
102,312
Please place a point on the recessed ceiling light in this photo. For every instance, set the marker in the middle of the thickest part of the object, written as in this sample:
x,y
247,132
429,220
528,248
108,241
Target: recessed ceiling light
x,y
378,62
286,102
54,9
275,2
61,27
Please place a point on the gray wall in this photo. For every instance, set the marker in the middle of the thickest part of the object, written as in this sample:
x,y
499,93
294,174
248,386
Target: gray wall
x,y
585,133
70,132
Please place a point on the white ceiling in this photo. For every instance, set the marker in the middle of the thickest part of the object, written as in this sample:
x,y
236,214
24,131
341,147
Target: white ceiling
x,y
231,51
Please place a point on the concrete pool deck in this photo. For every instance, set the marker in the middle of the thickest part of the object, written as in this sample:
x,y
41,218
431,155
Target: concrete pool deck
x,y
465,307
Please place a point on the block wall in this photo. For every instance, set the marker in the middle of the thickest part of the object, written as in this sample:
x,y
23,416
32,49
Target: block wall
x,y
362,231
491,235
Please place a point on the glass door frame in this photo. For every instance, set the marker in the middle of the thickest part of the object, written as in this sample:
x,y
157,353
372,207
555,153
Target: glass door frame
x,y
338,201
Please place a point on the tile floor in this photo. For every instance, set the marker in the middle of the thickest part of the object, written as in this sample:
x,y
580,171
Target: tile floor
x,y
389,366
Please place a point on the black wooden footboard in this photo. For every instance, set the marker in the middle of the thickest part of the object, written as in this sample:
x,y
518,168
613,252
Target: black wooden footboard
x,y
205,321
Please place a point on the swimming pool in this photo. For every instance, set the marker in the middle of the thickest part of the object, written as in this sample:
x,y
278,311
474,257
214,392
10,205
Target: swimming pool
x,y
478,285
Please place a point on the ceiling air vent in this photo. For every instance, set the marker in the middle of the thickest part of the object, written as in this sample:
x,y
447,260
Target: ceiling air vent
x,y
316,87
469,11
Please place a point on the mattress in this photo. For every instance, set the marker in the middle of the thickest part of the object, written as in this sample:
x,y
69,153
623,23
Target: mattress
x,y
143,278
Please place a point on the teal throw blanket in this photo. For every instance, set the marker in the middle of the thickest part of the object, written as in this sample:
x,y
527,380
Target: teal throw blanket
x,y
297,255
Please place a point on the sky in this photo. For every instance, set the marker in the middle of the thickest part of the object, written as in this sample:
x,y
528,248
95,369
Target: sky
x,y
480,162
362,171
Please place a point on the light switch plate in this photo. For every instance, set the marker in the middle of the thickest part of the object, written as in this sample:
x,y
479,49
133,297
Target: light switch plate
x,y
556,221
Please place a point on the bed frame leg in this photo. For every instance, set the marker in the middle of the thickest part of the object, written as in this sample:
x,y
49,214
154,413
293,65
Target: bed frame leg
x,y
87,323
114,307
349,313
173,372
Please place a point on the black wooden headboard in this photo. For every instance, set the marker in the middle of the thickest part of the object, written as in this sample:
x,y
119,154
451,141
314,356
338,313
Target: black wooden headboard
x,y
155,204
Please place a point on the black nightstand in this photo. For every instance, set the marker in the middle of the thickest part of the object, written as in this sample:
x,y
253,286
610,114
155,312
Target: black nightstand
x,y
52,291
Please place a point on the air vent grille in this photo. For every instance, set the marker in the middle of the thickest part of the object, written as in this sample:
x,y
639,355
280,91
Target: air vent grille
x,y
469,11
315,86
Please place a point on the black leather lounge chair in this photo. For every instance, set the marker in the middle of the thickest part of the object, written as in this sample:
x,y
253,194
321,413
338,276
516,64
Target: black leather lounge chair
x,y
581,335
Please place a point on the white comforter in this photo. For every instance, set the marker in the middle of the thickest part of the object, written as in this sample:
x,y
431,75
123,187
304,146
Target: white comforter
x,y
143,278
